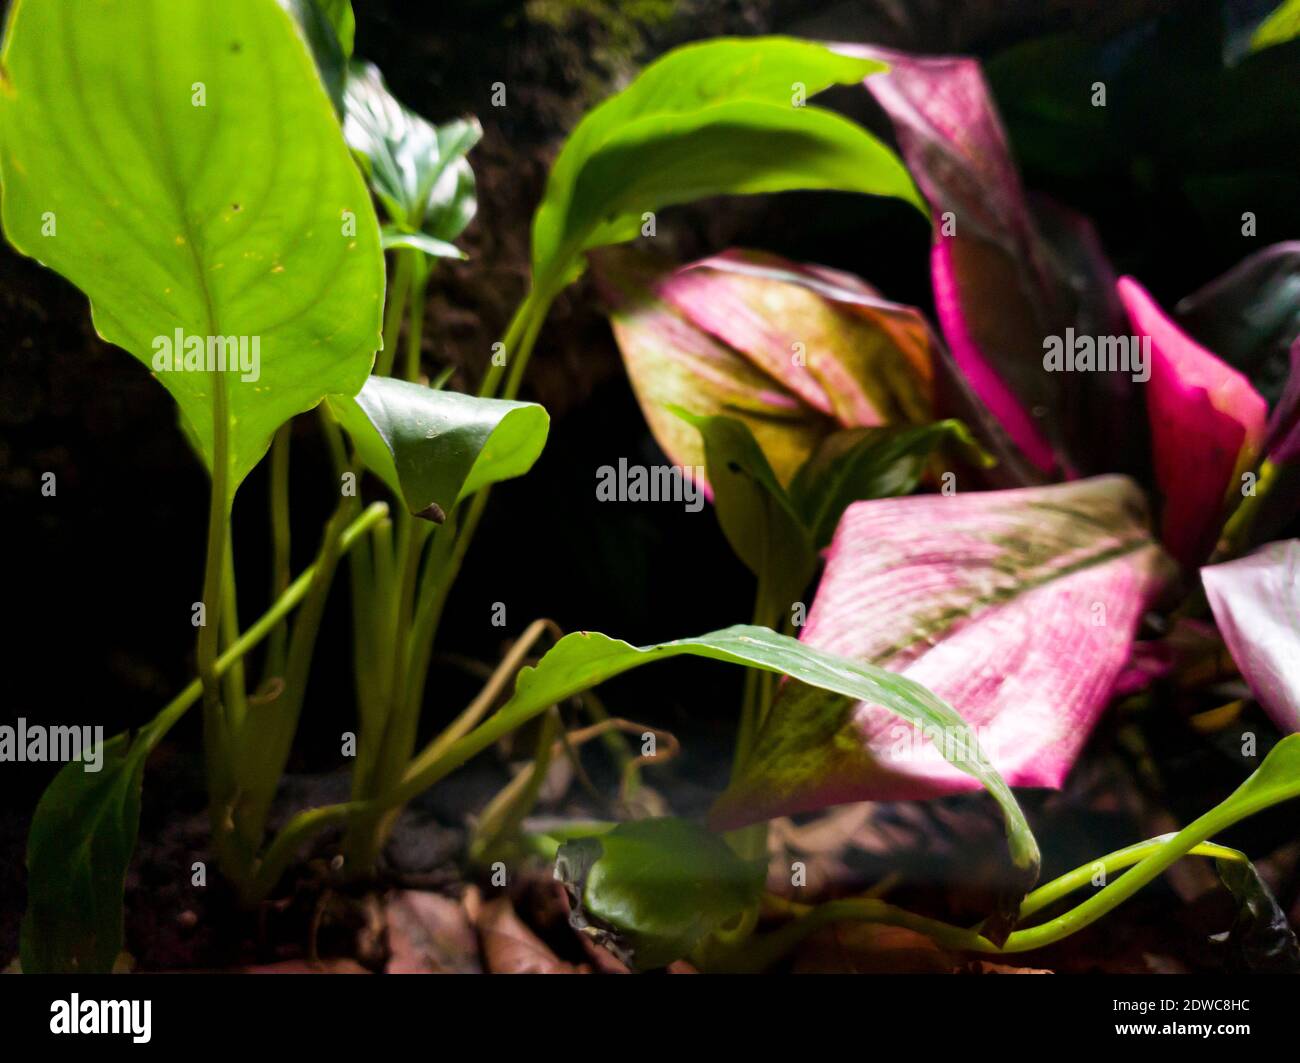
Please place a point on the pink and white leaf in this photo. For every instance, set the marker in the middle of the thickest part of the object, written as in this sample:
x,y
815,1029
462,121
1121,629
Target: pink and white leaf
x,y
1016,607
1256,602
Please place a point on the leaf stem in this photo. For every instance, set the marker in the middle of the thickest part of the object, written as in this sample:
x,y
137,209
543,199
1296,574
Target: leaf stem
x,y
280,544
217,735
172,712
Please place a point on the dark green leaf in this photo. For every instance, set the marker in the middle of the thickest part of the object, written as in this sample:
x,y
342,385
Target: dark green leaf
x,y
433,448
866,463
1260,940
651,890
82,836
1250,315
323,40
754,510
339,15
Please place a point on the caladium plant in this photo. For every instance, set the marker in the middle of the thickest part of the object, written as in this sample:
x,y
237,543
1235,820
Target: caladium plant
x,y
1011,278
974,594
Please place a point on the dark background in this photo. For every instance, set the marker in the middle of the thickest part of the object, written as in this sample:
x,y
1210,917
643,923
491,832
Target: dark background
x,y
97,582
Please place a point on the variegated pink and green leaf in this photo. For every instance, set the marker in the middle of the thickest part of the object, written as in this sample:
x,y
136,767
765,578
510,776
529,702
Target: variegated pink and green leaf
x,y
1207,427
1016,607
1256,602
772,344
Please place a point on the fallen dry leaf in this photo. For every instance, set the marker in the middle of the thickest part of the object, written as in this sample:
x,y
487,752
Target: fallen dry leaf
x,y
429,934
509,947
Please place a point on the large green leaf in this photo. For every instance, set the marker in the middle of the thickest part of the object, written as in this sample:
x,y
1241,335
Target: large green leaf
x,y
418,170
582,660
433,448
721,117
243,217
651,890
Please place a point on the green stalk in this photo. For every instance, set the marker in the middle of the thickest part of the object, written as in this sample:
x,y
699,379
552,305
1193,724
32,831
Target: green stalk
x,y
172,712
266,741
422,593
519,326
750,843
415,329
280,543
760,953
403,269
265,624
1236,532
234,682
216,728
388,729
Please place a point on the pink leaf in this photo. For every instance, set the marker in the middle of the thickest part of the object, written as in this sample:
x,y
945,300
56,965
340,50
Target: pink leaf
x,y
1017,607
994,295
1207,425
1256,602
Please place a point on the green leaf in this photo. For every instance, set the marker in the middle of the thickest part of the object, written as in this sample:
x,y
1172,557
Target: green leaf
x,y
339,15
581,660
433,448
653,889
229,219
323,41
393,237
866,463
82,836
1281,26
418,170
719,117
756,514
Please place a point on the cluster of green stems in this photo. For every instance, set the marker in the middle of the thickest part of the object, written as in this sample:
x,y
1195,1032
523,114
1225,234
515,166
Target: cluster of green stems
x,y
402,569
